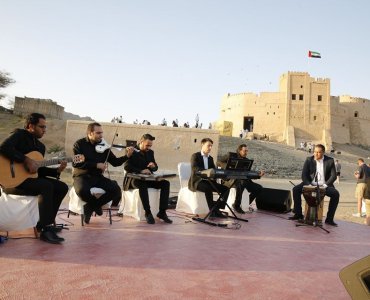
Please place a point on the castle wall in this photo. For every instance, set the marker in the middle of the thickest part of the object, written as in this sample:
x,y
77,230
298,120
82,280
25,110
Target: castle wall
x,y
47,107
267,110
340,132
309,105
171,146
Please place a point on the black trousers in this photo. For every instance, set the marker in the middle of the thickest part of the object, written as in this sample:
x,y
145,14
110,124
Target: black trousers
x,y
329,191
51,194
207,188
253,188
143,186
83,184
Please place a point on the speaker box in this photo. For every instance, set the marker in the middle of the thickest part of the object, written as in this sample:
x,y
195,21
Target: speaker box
x,y
356,278
274,200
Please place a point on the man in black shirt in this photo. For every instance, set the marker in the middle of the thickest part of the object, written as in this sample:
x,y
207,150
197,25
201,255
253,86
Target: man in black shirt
x,y
143,162
89,173
240,184
51,191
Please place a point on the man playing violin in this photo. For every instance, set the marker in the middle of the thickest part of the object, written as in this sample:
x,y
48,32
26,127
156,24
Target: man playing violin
x,y
143,162
51,192
89,173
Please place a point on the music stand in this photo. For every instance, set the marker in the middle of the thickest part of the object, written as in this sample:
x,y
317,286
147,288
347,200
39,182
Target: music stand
x,y
233,163
317,200
236,163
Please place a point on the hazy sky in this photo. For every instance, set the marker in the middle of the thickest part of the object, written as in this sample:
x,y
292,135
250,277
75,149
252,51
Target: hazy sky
x,y
150,59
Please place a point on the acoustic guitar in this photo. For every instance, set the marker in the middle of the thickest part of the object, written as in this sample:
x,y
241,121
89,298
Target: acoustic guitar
x,y
13,174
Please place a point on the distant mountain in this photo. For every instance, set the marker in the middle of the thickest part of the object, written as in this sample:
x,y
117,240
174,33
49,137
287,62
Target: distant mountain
x,y
70,116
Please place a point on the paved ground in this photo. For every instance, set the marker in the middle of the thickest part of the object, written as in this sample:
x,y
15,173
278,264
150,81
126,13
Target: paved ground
x,y
267,258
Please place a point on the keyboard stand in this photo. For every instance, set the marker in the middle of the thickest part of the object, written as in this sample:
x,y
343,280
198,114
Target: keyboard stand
x,y
217,205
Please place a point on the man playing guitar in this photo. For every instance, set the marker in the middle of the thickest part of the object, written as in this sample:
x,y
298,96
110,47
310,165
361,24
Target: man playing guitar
x,y
51,191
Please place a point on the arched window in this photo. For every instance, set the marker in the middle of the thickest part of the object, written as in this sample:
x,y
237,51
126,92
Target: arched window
x,y
356,114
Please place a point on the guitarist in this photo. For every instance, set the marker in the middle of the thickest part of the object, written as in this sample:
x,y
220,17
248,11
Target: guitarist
x,y
51,191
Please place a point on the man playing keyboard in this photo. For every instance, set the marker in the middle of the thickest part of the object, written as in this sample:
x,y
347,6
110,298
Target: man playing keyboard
x,y
202,161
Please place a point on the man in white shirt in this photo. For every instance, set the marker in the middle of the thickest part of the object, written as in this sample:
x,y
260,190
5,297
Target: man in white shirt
x,y
318,169
200,161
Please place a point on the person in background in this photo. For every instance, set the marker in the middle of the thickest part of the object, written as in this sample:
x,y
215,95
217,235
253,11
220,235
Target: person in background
x,y
361,174
338,168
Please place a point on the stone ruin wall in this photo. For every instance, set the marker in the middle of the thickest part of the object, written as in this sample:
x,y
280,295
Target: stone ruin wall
x,y
47,107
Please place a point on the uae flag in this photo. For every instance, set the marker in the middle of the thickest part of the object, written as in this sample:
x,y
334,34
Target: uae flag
x,y
314,54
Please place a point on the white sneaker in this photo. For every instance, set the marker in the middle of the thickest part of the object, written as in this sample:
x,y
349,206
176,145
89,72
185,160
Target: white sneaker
x,y
357,215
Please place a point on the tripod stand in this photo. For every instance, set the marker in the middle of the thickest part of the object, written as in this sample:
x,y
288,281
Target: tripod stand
x,y
313,197
220,201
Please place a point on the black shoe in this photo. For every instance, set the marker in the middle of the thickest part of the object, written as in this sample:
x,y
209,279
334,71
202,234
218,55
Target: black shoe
x,y
296,217
163,216
149,218
87,213
331,223
99,211
218,214
51,228
238,209
50,237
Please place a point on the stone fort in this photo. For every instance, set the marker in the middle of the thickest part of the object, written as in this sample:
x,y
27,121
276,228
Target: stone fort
x,y
47,107
302,110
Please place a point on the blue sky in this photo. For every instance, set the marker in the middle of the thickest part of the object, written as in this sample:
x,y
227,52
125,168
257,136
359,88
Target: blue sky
x,y
154,59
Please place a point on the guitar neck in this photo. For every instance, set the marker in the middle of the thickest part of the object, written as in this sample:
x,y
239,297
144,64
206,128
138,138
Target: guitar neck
x,y
54,161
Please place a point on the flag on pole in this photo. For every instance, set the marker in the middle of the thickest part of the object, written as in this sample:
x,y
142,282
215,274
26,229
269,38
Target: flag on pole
x,y
314,54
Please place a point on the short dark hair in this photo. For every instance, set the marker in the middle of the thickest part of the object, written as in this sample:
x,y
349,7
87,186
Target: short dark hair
x,y
361,159
205,140
33,119
147,136
91,127
240,147
320,146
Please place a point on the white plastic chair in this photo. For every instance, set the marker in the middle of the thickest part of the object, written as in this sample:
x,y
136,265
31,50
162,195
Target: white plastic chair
x,y
18,212
245,200
131,205
188,201
76,205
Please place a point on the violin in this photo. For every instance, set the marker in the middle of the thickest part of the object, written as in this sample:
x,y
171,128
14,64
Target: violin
x,y
103,145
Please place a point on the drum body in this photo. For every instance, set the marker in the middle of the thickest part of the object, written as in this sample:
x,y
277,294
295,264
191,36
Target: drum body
x,y
310,195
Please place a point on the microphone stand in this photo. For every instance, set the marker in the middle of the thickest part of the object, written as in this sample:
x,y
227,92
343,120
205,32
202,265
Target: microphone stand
x,y
318,202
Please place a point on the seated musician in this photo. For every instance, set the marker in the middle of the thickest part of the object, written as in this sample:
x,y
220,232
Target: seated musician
x,y
202,161
51,191
240,184
89,173
143,162
320,169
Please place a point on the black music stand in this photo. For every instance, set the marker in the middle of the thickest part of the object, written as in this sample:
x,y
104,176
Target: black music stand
x,y
233,163
318,200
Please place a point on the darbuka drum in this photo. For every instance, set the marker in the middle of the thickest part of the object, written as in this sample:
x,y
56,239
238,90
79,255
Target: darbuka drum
x,y
310,193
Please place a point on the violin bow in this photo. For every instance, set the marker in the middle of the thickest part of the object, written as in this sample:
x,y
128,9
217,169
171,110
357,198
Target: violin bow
x,y
110,148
